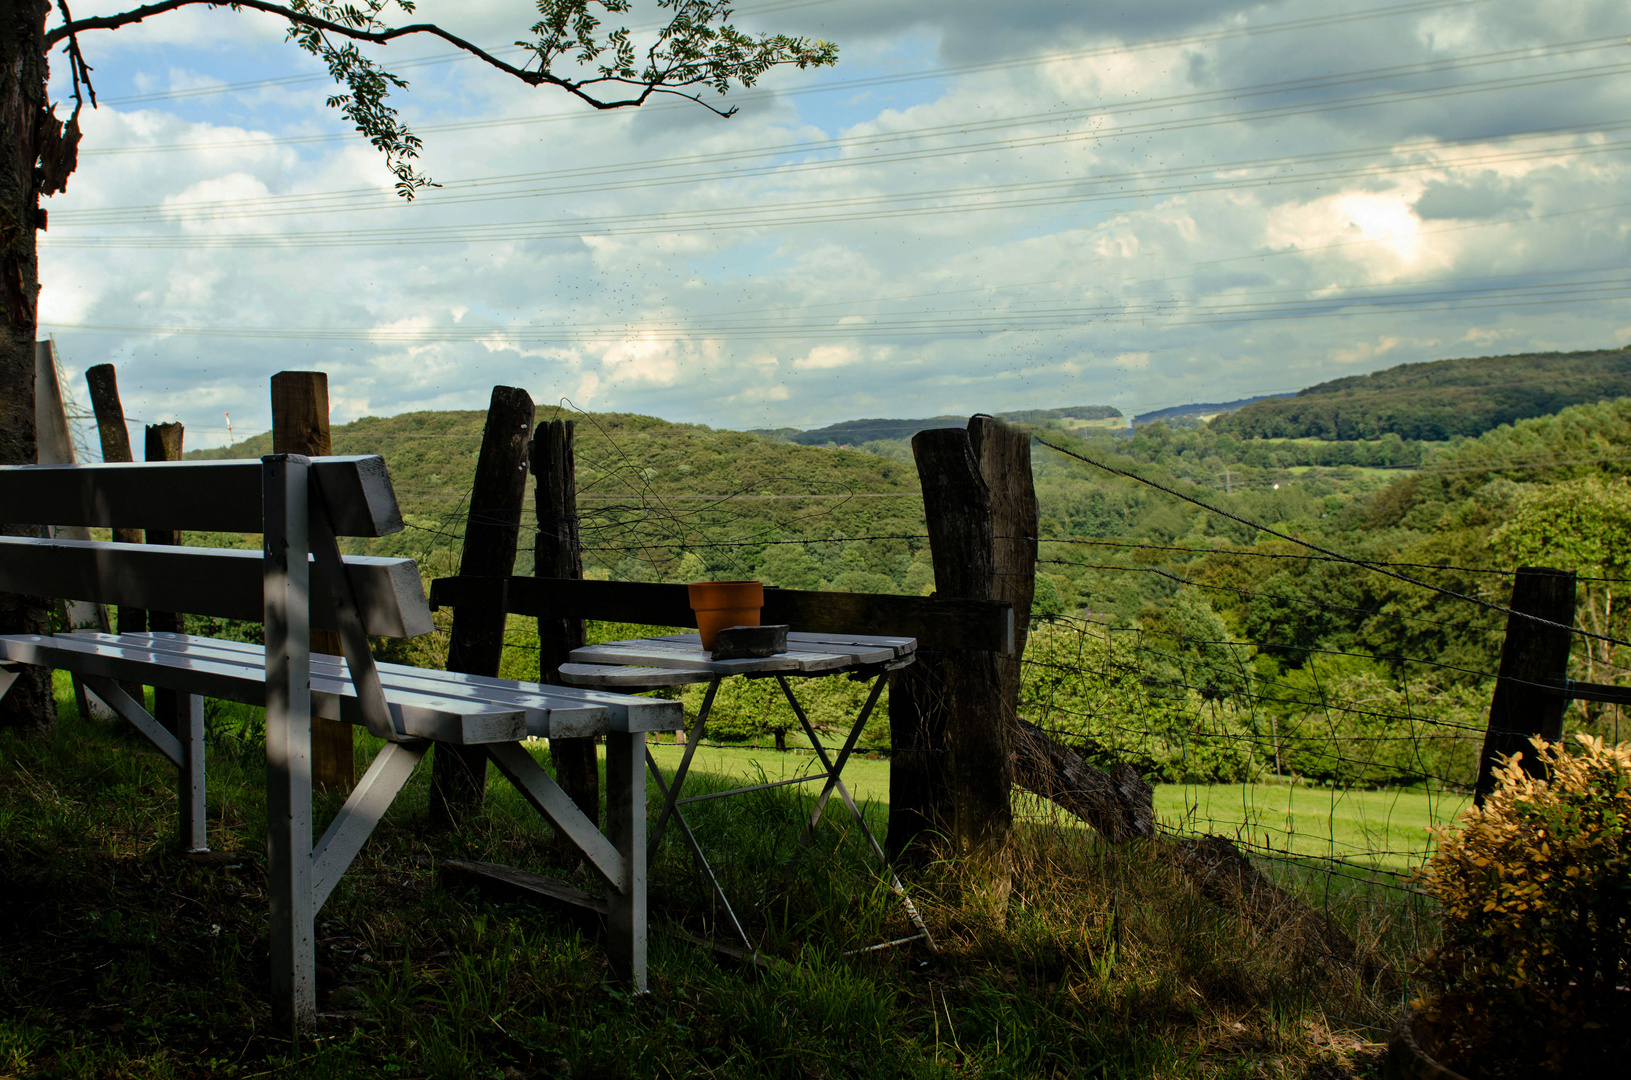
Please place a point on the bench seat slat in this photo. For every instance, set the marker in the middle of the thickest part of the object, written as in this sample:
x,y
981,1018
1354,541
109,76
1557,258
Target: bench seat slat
x,y
549,715
224,583
243,678
191,496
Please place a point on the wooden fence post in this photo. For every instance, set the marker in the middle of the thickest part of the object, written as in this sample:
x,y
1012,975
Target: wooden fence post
x,y
1534,659
115,439
55,444
300,426
1004,454
169,708
557,553
952,770
491,534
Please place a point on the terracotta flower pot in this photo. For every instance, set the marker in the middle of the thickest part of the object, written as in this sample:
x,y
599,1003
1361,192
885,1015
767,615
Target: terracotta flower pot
x,y
719,604
1406,1060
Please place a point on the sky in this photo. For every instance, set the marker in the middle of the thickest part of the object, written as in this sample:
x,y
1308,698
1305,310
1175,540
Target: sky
x,y
983,207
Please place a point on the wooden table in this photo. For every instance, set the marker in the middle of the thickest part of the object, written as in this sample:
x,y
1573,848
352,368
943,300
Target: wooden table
x,y
680,660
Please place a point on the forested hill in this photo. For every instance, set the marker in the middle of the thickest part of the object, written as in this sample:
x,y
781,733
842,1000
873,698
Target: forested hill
x,y
858,432
1439,400
661,501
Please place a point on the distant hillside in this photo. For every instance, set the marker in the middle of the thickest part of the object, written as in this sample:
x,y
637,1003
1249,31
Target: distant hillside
x,y
1438,400
661,501
1208,409
856,432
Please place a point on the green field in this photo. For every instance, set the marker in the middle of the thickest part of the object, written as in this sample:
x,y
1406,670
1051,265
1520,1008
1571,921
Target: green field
x,y
1387,829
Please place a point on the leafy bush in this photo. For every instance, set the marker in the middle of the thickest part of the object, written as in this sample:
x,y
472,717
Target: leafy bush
x,y
1536,895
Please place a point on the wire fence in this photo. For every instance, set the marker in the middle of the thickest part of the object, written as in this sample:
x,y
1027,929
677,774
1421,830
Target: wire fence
x,y
1266,714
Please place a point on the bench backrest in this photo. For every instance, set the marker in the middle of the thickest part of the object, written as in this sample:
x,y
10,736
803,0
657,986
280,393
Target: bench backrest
x,y
352,494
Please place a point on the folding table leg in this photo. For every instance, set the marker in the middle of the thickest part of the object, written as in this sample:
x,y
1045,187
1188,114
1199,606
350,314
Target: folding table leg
x,y
190,793
696,852
834,769
671,795
626,828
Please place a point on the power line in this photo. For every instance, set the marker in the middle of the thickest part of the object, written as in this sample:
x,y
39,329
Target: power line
x,y
479,188
844,85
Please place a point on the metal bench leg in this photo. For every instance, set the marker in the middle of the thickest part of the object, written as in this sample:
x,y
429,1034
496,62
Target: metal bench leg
x,y
626,827
190,791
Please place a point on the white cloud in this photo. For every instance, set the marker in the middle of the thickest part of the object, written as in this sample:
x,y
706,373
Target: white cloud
x,y
1133,226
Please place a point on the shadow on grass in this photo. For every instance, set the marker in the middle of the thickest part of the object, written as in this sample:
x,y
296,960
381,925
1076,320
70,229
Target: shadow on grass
x,y
120,958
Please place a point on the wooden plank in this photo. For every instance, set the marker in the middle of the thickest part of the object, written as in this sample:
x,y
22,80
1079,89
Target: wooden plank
x,y
642,654
200,496
856,649
546,714
546,796
289,701
492,533
421,715
899,646
363,809
1579,691
585,911
221,582
936,622
1534,658
627,713
633,678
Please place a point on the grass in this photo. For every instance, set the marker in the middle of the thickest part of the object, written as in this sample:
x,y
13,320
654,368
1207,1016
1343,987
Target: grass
x,y
1385,828
119,958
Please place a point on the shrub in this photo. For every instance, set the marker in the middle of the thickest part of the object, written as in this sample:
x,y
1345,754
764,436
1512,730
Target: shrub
x,y
1535,889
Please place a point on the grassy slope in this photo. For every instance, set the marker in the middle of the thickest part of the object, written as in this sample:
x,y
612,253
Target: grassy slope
x,y
1320,822
119,959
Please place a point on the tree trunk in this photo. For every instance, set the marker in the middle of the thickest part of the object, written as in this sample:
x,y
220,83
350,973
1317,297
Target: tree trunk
x,y
557,552
25,125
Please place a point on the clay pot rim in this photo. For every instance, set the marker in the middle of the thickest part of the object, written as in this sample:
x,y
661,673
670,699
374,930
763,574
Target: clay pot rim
x,y
725,595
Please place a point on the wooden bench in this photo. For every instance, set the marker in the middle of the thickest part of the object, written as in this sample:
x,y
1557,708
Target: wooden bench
x,y
299,581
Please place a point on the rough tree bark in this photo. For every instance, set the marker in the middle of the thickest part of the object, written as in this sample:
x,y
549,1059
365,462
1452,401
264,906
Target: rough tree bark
x,y
492,532
951,775
170,708
1118,803
26,129
557,553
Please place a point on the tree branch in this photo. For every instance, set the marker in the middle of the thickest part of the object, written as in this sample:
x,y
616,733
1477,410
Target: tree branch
x,y
531,78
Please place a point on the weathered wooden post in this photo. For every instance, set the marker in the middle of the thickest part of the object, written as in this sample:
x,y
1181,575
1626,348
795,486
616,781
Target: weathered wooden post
x,y
300,426
115,440
952,771
1004,454
492,533
169,708
56,447
557,553
1528,699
